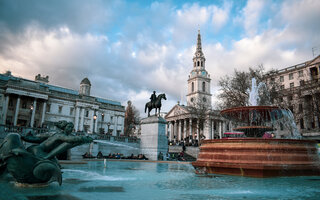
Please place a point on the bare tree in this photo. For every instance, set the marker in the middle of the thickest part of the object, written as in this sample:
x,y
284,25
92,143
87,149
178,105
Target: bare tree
x,y
131,119
200,111
234,88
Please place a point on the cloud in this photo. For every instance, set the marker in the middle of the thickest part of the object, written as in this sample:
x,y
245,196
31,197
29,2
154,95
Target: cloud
x,y
128,49
220,15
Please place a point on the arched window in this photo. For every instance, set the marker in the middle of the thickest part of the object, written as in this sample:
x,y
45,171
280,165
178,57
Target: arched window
x,y
201,63
198,63
192,86
203,86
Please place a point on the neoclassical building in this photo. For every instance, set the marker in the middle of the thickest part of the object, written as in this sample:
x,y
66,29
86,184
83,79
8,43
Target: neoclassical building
x,y
299,89
183,121
27,103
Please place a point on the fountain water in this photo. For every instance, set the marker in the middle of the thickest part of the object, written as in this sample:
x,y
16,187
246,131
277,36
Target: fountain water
x,y
256,156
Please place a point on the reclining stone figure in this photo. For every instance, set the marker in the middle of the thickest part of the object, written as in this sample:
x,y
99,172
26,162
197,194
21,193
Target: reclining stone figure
x,y
37,163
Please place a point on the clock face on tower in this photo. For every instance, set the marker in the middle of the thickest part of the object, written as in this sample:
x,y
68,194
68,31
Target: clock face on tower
x,y
203,73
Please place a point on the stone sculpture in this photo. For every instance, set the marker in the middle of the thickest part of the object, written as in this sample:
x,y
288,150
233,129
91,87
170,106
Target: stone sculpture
x,y
37,164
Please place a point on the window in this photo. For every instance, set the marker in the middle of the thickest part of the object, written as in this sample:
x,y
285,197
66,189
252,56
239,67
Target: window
x,y
300,73
281,99
48,107
191,99
301,123
10,103
281,87
281,78
272,80
87,113
291,108
111,119
302,83
60,109
198,63
290,98
300,108
24,104
71,111
291,85
203,86
290,76
192,86
201,63
204,99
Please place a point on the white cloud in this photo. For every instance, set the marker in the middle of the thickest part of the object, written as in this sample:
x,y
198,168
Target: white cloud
x,y
251,16
220,15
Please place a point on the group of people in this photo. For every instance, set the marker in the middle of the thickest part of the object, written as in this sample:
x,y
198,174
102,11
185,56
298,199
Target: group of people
x,y
115,156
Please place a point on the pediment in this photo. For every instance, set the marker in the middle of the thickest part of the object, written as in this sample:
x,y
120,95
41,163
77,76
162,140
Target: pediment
x,y
315,61
176,111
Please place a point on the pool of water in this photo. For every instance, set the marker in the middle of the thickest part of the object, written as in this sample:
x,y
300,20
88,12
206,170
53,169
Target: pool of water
x,y
146,180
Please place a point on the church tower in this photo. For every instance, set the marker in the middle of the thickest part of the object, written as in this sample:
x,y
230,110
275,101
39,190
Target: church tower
x,y
199,79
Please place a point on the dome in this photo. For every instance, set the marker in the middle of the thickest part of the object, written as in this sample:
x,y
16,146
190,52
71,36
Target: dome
x,y
85,81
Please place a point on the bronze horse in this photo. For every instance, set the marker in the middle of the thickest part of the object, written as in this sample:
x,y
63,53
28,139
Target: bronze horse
x,y
157,104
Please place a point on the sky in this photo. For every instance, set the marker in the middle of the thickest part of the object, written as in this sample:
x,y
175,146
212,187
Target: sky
x,y
127,49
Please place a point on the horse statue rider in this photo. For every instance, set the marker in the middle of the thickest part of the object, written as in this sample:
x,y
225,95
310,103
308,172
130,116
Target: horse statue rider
x,y
155,102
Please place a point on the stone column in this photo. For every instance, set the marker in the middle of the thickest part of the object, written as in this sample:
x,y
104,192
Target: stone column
x,y
179,130
44,107
91,114
184,132
190,129
171,130
16,113
33,112
175,131
220,130
76,120
5,110
210,129
115,125
81,119
197,130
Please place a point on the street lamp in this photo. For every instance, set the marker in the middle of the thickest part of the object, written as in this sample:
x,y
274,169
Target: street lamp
x,y
94,122
102,118
31,110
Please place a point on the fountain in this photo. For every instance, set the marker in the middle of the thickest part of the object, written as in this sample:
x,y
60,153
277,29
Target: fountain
x,y
255,155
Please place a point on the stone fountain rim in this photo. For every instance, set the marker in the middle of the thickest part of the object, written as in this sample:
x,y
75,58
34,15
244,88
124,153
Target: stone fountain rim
x,y
249,108
262,140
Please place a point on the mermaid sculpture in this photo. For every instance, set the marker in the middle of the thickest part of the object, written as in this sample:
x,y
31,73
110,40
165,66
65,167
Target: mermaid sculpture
x,y
37,164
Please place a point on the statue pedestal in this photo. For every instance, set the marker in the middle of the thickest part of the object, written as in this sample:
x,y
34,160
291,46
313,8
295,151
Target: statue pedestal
x,y
153,137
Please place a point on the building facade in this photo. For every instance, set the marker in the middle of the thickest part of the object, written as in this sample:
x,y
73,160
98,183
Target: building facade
x,y
33,104
197,120
299,89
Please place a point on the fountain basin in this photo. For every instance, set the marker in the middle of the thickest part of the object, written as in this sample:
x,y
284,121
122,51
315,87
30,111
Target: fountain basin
x,y
258,157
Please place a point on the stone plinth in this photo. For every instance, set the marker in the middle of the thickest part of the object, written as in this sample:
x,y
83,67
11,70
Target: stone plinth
x,y
153,137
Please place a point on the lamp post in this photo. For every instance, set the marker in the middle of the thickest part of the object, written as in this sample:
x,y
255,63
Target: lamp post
x,y
94,122
31,110
102,118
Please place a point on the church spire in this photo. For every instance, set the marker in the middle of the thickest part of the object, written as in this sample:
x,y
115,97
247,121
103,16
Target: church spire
x,y
199,48
199,52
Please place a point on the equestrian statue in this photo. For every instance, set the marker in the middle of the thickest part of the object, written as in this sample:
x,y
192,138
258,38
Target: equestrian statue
x,y
155,102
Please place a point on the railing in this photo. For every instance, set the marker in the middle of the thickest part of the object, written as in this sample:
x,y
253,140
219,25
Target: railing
x,y
118,138
21,129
